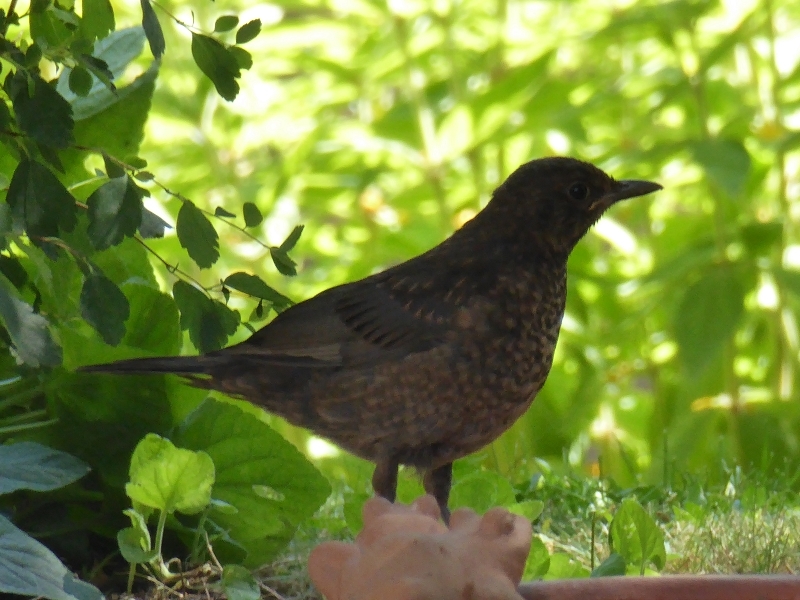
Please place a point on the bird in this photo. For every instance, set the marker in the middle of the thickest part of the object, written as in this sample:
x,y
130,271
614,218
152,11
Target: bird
x,y
433,358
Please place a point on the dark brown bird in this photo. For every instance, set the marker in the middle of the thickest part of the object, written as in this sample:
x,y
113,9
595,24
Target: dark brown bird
x,y
434,358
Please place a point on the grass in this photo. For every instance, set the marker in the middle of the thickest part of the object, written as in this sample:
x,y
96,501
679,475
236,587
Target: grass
x,y
751,524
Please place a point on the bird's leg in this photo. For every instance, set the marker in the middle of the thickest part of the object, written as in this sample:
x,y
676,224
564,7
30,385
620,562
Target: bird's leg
x,y
437,483
384,478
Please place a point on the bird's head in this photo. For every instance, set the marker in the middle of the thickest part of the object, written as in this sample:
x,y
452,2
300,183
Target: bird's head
x,y
554,201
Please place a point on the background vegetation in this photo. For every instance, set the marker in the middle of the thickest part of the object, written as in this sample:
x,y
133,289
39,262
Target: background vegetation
x,y
381,127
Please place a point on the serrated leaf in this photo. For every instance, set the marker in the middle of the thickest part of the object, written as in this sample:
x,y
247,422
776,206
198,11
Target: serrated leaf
x,y
219,65
292,239
31,466
248,31
104,307
97,19
29,333
254,286
707,317
44,115
152,226
168,478
209,322
152,29
80,81
115,211
284,264
226,23
221,212
252,215
40,204
28,568
197,235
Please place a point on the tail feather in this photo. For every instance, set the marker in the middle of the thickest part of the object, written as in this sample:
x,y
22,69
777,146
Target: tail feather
x,y
180,365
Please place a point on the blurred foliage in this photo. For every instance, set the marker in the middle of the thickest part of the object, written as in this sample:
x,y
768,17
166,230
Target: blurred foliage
x,y
382,126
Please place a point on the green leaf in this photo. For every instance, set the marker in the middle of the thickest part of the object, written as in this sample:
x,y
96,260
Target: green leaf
x,y
97,20
243,58
481,490
219,65
49,30
291,240
248,31
28,568
104,307
168,478
239,584
221,212
134,542
44,115
252,215
197,235
226,23
134,546
80,81
31,466
116,51
39,202
29,333
255,286
209,322
707,317
635,536
538,562
152,226
563,566
115,211
284,264
113,168
248,453
613,565
152,29
726,162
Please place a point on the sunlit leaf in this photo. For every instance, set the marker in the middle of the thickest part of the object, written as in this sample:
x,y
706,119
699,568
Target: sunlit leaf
x,y
635,536
168,478
97,19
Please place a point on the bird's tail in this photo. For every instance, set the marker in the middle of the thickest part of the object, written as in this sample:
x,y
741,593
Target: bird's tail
x,y
179,365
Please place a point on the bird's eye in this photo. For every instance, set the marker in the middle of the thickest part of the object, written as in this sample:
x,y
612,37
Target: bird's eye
x,y
579,191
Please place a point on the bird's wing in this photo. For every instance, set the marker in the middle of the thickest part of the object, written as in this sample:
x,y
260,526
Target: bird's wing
x,y
361,323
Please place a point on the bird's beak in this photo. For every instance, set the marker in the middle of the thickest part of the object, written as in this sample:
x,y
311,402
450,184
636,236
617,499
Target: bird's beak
x,y
622,190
